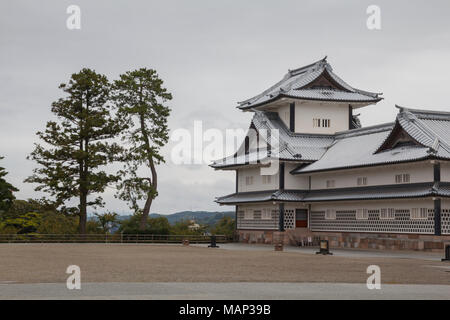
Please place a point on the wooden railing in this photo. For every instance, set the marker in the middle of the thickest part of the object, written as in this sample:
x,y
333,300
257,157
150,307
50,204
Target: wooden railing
x,y
108,238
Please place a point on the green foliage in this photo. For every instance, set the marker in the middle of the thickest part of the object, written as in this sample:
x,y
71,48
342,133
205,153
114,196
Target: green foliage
x,y
107,221
140,98
78,145
6,192
159,225
26,223
36,216
94,227
57,223
187,227
20,207
225,226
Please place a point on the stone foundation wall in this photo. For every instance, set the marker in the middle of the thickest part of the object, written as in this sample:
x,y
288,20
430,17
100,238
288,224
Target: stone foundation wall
x,y
383,241
380,241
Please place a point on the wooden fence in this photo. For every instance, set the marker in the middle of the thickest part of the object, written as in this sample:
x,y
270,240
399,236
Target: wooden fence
x,y
108,238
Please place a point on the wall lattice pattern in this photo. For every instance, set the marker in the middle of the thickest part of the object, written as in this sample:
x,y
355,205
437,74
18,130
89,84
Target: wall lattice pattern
x,y
346,222
289,219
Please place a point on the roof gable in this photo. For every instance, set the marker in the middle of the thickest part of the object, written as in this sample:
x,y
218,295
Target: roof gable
x,y
397,138
316,81
324,81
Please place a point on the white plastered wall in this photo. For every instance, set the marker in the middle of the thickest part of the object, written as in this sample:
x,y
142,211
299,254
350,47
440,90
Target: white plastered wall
x,y
257,185
445,171
306,112
380,175
299,182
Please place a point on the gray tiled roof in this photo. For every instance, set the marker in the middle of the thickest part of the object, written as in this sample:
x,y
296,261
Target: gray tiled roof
x,y
360,147
354,148
247,197
417,190
429,128
292,146
293,83
375,192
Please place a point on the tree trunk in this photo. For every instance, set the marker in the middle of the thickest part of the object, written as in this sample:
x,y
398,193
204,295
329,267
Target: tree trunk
x,y
83,213
145,213
153,181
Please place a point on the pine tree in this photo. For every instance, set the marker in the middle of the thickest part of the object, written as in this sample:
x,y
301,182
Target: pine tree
x,y
78,146
140,98
6,192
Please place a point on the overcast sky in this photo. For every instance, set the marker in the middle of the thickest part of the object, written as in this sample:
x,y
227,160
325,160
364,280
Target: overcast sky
x,y
211,54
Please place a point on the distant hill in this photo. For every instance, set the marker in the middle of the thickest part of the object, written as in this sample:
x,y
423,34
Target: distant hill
x,y
201,217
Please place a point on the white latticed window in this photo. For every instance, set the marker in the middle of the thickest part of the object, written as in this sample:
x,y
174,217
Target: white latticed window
x,y
248,214
330,184
266,179
325,123
361,181
419,213
387,213
266,214
289,219
330,214
249,180
402,178
362,214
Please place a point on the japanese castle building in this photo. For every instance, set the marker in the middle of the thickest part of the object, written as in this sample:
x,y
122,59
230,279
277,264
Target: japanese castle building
x,y
383,186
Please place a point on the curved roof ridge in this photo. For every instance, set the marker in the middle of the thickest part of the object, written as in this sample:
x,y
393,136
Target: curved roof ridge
x,y
290,74
423,112
304,68
424,128
293,84
365,130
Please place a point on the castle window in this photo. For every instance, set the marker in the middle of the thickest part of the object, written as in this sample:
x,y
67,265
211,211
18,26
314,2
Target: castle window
x,y
402,178
249,180
316,123
361,181
324,123
330,183
362,214
419,213
266,214
266,179
387,213
257,214
248,215
330,214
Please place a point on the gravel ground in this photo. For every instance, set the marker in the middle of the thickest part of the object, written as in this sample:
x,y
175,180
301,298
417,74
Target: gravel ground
x,y
106,263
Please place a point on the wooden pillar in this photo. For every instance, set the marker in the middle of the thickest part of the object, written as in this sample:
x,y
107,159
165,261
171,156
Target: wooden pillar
x,y
292,117
281,217
437,202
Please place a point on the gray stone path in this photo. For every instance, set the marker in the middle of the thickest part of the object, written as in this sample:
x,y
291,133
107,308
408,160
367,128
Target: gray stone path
x,y
227,291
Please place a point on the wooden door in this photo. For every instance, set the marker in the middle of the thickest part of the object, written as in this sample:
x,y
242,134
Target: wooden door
x,y
301,218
